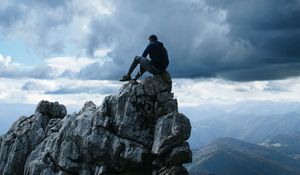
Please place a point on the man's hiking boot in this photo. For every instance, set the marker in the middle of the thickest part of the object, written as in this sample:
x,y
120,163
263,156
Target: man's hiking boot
x,y
125,78
133,81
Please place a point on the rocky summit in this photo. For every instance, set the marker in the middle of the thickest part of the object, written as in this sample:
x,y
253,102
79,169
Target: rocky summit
x,y
136,131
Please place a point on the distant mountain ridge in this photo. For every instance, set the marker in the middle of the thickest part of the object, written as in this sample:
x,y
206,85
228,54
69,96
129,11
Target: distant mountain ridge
x,y
252,128
228,156
288,144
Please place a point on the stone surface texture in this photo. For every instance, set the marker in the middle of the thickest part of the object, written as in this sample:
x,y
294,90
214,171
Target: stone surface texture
x,y
136,131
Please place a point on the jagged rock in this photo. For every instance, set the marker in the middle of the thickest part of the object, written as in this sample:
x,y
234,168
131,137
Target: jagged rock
x,y
23,137
88,106
126,134
170,131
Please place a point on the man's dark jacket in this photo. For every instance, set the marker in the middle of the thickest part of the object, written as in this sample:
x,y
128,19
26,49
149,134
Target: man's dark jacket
x,y
158,54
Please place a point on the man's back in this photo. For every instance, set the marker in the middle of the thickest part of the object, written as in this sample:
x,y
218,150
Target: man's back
x,y
158,55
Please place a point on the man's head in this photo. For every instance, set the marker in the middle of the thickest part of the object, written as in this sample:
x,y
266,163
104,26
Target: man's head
x,y
152,38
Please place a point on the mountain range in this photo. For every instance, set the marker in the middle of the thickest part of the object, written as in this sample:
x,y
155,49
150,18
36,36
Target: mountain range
x,y
228,156
254,122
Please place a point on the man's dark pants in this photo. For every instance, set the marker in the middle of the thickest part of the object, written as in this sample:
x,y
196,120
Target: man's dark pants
x,y
145,65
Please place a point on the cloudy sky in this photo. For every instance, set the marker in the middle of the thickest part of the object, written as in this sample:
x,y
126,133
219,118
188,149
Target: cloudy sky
x,y
220,51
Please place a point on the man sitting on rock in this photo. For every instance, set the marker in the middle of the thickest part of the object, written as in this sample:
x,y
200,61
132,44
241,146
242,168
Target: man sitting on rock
x,y
157,65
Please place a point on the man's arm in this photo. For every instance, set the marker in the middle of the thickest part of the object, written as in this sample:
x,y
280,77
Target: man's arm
x,y
147,51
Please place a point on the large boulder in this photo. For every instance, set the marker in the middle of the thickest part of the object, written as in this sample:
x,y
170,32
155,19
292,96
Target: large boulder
x,y
50,109
136,131
170,130
24,136
180,154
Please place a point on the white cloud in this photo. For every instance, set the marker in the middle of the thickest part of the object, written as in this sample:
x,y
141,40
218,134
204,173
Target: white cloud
x,y
52,26
57,80
66,91
9,68
55,67
193,92
68,63
189,92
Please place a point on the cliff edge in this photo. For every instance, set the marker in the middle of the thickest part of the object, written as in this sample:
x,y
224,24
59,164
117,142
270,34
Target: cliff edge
x,y
136,131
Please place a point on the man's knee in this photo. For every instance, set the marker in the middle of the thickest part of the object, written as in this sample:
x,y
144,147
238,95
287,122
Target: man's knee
x,y
137,58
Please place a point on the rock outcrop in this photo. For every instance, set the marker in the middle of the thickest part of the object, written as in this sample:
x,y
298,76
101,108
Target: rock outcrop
x,y
137,131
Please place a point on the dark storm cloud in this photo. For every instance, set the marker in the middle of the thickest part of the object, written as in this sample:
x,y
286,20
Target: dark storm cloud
x,y
272,28
237,40
193,33
266,72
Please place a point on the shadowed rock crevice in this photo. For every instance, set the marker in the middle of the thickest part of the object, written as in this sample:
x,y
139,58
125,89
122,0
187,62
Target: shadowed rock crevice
x,y
136,131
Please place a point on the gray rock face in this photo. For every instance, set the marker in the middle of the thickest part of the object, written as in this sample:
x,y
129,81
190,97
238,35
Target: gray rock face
x,y
25,135
137,131
170,130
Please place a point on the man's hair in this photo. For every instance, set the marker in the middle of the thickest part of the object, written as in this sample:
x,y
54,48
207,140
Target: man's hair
x,y
153,37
